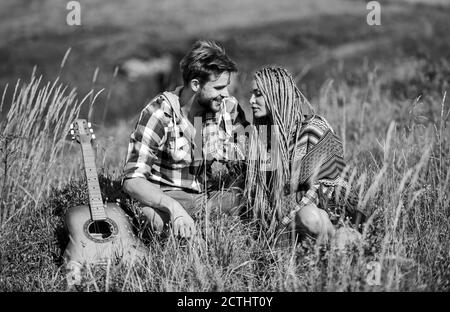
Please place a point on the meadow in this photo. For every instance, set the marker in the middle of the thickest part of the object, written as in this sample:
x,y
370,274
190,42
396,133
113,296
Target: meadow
x,y
383,91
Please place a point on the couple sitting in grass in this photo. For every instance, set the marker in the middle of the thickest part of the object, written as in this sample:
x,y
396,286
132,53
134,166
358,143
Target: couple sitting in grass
x,y
293,162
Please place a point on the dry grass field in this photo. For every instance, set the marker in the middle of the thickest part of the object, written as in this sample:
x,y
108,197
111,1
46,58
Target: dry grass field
x,y
382,88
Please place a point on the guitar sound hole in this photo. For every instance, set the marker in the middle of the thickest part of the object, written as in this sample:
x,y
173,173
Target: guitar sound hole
x,y
100,229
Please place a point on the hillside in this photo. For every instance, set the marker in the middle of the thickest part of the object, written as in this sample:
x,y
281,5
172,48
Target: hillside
x,y
310,37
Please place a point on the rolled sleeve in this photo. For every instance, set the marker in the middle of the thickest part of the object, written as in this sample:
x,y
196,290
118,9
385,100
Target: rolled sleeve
x,y
146,142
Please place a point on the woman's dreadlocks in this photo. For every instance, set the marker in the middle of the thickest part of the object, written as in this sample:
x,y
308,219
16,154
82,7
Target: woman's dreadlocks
x,y
284,102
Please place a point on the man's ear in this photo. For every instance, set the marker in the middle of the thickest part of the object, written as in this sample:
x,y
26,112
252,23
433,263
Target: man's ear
x,y
195,85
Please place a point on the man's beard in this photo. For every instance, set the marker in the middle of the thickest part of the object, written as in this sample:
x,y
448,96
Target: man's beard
x,y
211,105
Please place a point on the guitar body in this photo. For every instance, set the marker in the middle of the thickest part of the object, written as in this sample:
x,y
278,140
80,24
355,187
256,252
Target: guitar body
x,y
95,242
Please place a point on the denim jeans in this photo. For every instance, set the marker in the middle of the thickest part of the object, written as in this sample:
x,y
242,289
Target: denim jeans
x,y
229,202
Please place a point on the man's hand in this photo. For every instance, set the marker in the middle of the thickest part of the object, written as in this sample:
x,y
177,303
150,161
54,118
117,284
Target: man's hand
x,y
149,195
183,224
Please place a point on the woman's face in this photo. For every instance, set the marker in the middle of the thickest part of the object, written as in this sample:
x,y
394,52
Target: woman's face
x,y
257,102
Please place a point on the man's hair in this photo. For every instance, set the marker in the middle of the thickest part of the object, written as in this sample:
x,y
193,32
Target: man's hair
x,y
205,58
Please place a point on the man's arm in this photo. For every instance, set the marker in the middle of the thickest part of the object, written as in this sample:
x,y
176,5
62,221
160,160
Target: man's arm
x,y
149,195
143,150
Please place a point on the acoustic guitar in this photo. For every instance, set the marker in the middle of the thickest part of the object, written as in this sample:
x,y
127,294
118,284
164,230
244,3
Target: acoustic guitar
x,y
98,232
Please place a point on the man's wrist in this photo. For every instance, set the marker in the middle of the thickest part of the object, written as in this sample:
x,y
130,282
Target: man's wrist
x,y
165,202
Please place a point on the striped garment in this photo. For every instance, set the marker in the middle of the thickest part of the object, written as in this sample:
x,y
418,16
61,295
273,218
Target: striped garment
x,y
316,153
316,168
162,147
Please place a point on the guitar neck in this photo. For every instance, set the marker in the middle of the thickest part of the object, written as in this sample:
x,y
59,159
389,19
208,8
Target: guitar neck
x,y
95,196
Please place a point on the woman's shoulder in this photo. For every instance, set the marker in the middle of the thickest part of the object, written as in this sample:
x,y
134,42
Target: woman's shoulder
x,y
316,125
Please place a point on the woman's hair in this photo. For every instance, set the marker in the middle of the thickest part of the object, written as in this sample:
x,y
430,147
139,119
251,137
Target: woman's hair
x,y
283,99
284,103
205,58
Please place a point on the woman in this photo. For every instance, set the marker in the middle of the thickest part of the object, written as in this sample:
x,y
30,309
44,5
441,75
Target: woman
x,y
294,174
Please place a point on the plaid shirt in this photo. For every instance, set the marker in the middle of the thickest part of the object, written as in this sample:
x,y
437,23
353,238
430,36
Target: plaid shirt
x,y
217,133
162,146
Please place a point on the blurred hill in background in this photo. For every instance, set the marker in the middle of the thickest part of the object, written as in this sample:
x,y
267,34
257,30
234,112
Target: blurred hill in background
x,y
316,39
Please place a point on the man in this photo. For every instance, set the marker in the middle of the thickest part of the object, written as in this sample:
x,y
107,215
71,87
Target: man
x,y
165,164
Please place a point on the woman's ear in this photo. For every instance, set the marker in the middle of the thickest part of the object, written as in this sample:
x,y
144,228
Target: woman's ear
x,y
195,85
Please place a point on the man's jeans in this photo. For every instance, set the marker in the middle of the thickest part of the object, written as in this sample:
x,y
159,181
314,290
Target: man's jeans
x,y
229,202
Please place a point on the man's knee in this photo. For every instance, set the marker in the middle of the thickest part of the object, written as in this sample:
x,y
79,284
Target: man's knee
x,y
310,219
156,219
229,202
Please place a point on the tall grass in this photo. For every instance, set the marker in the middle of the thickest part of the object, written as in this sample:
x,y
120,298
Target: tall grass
x,y
400,162
33,136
